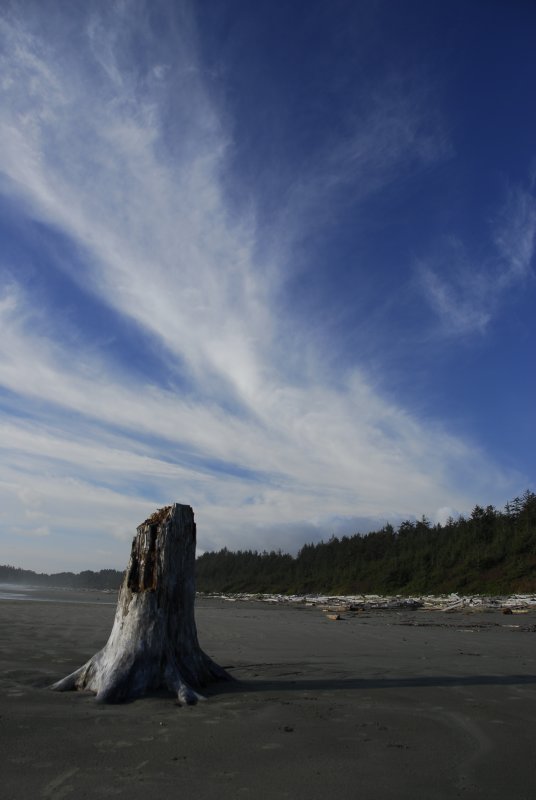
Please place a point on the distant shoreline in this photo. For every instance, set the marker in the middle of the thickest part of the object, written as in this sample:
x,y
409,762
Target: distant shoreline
x,y
348,603
55,594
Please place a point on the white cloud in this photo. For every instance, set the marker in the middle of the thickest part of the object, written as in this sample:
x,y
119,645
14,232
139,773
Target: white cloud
x,y
443,514
515,236
466,293
390,134
461,302
39,532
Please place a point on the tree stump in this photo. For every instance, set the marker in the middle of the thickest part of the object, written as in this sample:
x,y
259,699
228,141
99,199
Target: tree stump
x,y
153,643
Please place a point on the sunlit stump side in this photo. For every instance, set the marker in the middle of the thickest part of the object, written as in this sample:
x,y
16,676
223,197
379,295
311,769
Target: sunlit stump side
x,y
153,643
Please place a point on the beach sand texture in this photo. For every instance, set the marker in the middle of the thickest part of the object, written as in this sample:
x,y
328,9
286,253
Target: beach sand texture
x,y
381,704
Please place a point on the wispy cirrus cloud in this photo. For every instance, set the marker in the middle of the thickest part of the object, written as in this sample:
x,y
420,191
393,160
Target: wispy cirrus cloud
x,y
389,133
515,236
124,158
151,224
466,292
89,452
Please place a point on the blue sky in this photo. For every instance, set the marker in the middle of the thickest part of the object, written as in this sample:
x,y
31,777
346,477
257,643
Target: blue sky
x,y
274,260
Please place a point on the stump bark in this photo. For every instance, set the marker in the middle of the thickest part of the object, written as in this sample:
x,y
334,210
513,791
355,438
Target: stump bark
x,y
153,643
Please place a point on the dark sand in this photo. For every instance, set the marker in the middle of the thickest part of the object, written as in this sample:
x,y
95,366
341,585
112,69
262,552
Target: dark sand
x,y
407,704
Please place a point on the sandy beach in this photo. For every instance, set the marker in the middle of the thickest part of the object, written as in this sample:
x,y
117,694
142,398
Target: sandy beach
x,y
380,704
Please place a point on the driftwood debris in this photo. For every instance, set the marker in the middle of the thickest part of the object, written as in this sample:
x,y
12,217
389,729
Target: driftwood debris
x,y
153,643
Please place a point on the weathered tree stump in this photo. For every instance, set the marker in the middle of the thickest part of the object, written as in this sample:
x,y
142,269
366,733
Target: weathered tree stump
x,y
153,643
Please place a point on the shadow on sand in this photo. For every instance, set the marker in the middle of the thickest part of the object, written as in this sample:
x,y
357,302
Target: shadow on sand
x,y
365,684
278,685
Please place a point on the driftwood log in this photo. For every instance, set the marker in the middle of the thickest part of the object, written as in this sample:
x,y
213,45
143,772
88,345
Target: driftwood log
x,y
153,643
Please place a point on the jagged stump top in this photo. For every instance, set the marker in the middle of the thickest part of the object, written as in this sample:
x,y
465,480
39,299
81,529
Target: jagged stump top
x,y
157,516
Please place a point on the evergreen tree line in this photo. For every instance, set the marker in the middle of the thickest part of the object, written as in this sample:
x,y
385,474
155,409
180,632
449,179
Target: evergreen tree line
x,y
105,579
489,552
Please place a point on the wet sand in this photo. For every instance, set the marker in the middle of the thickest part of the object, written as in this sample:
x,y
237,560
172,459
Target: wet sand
x,y
382,704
